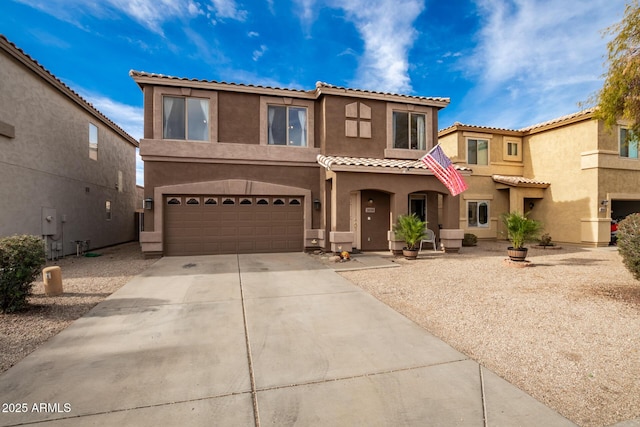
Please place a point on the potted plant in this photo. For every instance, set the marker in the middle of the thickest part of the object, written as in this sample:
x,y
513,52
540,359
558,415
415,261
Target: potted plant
x,y
520,229
411,229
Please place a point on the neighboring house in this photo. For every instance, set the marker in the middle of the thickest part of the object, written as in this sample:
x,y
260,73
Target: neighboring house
x,y
571,173
67,172
241,168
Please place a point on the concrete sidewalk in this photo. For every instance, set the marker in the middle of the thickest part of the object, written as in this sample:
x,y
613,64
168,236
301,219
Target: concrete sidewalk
x,y
270,339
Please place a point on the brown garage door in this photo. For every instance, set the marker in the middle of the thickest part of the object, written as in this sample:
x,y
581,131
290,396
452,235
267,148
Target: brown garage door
x,y
203,225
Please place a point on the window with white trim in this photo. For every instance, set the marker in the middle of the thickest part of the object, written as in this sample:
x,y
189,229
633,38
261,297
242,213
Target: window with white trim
x,y
477,213
478,151
185,118
628,144
287,125
409,130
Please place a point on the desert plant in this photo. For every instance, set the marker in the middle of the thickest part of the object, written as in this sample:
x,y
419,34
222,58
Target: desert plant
x,y
629,243
545,240
520,229
411,229
469,239
21,258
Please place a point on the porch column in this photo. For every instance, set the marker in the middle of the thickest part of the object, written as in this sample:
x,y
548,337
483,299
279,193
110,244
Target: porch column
x,y
340,236
451,234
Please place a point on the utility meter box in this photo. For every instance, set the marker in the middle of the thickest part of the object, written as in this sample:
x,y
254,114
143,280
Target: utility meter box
x,y
49,222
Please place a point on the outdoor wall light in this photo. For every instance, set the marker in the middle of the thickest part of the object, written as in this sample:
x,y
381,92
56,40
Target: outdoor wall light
x,y
148,203
316,204
604,202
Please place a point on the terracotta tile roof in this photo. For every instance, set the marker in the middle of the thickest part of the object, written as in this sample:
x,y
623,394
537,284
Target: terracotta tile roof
x,y
440,102
320,85
475,127
34,65
329,161
580,115
559,120
134,74
519,181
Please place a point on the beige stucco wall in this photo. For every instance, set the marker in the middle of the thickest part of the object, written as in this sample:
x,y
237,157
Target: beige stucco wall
x,y
569,209
47,165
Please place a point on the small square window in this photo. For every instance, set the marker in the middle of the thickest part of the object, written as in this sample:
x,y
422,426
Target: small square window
x,y
628,144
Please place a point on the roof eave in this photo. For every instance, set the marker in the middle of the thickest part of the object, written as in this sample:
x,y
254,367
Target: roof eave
x,y
389,97
20,56
143,79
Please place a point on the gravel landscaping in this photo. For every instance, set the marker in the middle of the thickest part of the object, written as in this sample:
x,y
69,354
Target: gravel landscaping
x,y
86,282
565,329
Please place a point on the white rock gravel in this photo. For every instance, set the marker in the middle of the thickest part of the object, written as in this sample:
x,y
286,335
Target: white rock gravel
x,y
85,281
566,329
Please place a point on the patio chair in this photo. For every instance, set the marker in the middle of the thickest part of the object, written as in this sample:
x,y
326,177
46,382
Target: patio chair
x,y
429,238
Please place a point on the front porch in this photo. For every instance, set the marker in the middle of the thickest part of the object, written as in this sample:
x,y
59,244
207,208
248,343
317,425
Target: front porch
x,y
364,197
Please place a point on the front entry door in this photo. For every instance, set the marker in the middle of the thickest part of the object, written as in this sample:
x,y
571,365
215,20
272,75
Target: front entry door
x,y
374,222
418,205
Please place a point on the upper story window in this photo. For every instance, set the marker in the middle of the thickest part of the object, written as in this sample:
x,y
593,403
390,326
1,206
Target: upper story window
x,y
287,125
512,150
93,141
628,144
409,131
185,118
478,152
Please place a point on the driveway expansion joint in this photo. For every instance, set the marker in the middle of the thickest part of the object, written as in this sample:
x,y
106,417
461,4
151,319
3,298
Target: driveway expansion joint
x,y
365,375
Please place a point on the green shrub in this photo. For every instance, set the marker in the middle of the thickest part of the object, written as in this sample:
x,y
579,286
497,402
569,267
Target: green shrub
x,y
545,240
411,229
21,259
469,239
629,243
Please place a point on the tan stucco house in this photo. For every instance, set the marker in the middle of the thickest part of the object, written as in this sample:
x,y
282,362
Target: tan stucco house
x,y
241,168
571,173
67,172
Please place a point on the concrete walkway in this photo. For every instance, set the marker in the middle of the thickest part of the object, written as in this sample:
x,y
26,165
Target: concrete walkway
x,y
273,339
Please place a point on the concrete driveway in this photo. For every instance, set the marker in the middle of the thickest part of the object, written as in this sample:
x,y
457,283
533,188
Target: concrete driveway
x,y
244,340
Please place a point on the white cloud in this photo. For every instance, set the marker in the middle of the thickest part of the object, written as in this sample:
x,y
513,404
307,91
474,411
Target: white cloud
x,y
227,9
257,54
536,59
386,28
148,13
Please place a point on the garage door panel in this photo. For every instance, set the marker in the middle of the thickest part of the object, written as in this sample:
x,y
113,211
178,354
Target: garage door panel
x,y
260,226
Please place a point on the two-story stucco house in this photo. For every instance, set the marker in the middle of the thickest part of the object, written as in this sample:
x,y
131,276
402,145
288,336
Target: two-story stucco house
x,y
571,173
241,168
67,172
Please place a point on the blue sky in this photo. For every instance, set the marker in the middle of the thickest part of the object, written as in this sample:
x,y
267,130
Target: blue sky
x,y
503,63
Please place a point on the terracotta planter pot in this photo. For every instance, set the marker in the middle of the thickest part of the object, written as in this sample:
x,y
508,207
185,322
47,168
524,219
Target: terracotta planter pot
x,y
410,254
517,254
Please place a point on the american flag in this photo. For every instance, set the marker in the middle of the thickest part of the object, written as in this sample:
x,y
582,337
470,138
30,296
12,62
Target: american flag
x,y
444,170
